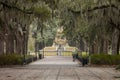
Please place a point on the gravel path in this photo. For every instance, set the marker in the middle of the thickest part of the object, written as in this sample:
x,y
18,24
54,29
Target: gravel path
x,y
59,71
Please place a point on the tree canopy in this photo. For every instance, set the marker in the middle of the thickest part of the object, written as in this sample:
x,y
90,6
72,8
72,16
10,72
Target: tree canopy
x,y
92,23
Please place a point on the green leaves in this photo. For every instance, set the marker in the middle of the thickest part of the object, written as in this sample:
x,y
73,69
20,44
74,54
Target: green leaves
x,y
43,12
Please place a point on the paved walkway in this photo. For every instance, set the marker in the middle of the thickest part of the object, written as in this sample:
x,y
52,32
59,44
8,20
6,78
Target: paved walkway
x,y
55,69
56,60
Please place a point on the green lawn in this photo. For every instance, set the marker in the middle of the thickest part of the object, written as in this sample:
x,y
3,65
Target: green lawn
x,y
83,54
66,53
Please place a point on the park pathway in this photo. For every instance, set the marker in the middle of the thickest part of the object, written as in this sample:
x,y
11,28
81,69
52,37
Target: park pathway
x,y
58,68
56,60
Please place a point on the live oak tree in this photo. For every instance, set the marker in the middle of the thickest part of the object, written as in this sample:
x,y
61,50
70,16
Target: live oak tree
x,y
96,22
15,18
88,24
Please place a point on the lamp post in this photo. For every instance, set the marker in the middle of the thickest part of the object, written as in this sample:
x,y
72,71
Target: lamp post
x,y
24,45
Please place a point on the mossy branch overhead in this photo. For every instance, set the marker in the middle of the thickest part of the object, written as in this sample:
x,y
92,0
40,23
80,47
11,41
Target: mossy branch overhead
x,y
16,16
37,11
14,7
95,8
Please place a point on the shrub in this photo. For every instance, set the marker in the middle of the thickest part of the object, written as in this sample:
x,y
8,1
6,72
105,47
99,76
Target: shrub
x,y
102,59
11,59
14,59
30,58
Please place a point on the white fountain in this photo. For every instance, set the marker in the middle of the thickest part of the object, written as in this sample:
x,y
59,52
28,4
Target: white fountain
x,y
60,46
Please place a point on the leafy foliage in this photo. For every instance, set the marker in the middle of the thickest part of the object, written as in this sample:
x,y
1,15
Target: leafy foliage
x,y
83,20
11,59
17,15
89,19
102,59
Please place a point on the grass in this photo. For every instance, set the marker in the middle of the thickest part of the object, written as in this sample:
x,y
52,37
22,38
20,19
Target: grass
x,y
64,53
83,54
67,53
50,53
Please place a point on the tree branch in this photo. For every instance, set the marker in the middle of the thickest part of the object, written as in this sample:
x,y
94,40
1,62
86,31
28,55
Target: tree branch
x,y
16,8
115,25
95,8
99,8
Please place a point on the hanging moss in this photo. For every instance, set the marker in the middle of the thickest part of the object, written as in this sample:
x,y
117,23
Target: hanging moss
x,y
42,12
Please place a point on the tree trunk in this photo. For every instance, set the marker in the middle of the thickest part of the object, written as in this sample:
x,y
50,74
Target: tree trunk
x,y
115,42
96,48
26,39
101,46
10,44
92,49
82,46
36,46
19,45
104,46
105,49
1,46
118,44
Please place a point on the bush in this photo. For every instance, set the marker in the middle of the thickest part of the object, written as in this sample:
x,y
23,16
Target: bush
x,y
11,59
14,59
30,58
102,59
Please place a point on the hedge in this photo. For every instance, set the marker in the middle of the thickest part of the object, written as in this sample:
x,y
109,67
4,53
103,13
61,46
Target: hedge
x,y
11,59
14,59
102,59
